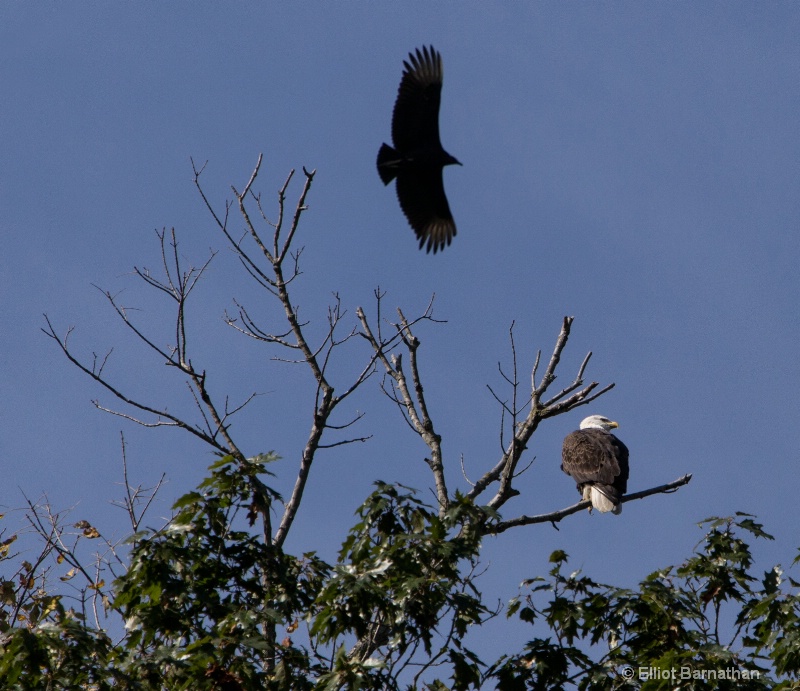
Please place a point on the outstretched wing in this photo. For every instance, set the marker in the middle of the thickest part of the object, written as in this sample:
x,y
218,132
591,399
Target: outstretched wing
x,y
415,121
420,192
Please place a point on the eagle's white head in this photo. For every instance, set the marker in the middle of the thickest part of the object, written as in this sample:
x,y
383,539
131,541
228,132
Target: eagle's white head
x,y
598,422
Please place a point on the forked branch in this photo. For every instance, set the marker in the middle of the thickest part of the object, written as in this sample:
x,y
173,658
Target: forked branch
x,y
538,408
408,394
265,259
178,282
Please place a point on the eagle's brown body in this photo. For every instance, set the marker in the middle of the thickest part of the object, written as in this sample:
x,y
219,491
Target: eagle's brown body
x,y
598,462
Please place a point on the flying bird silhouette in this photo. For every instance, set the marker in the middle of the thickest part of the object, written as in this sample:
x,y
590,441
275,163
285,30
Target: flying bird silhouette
x,y
417,158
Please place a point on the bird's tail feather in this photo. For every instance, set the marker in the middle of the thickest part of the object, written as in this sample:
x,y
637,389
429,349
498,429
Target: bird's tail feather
x,y
604,500
388,162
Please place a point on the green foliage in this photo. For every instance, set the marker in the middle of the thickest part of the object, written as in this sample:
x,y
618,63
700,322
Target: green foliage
x,y
400,565
209,603
206,598
706,619
58,652
399,580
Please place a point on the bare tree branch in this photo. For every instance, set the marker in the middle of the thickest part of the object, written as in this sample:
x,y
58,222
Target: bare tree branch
x,y
178,284
163,417
504,471
413,407
134,496
267,265
555,516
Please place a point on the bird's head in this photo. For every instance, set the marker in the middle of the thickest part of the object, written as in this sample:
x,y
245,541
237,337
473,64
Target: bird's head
x,y
598,422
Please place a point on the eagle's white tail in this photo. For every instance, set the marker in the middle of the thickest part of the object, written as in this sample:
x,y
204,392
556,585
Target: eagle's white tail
x,y
601,501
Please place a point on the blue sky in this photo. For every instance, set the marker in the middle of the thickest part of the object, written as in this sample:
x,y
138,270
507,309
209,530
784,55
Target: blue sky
x,y
634,165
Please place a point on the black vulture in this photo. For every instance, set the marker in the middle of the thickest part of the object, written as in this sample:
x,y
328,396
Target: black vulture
x,y
598,462
417,158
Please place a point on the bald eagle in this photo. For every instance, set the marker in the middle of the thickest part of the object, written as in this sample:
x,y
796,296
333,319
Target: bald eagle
x,y
598,462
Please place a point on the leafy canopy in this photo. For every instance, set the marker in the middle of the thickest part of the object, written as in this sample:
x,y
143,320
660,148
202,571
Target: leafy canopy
x,y
207,604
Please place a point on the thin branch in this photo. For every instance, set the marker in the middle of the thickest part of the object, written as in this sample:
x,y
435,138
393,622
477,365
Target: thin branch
x,y
556,516
343,442
505,470
178,283
550,373
173,421
509,468
317,359
133,495
413,406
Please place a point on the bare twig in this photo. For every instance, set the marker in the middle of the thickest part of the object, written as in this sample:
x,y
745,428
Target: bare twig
x,y
178,283
134,496
413,406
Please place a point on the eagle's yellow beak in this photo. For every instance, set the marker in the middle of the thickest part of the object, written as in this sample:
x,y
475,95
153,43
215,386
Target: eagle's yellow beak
x,y
613,425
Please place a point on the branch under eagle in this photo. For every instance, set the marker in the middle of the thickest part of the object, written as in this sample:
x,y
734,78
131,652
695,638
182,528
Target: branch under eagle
x,y
555,516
